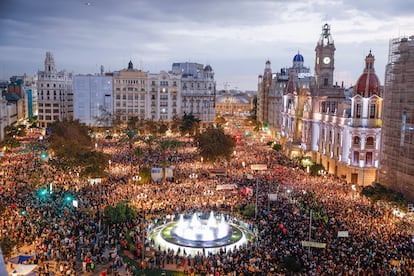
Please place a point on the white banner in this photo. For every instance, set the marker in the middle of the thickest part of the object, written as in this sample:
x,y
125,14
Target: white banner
x,y
313,244
258,167
226,187
156,173
272,197
343,234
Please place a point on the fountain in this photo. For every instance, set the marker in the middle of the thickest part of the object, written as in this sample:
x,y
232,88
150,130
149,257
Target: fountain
x,y
198,230
200,233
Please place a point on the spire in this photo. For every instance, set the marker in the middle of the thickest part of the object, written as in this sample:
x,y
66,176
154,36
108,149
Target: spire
x,y
368,83
326,37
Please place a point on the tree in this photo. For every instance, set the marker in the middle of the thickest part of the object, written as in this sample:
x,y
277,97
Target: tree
x,y
105,118
131,133
73,148
214,144
10,136
248,210
145,175
175,124
162,129
315,169
7,243
190,124
121,213
149,141
220,121
164,146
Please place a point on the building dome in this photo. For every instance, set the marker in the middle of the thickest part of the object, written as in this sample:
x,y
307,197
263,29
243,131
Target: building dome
x,y
208,68
298,58
368,83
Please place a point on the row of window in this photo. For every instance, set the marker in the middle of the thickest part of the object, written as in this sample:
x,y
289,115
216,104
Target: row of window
x,y
130,97
50,85
372,111
48,110
368,158
369,141
48,117
131,82
130,89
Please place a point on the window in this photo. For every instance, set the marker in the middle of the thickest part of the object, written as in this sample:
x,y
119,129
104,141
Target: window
x,y
358,111
368,158
356,157
357,140
372,111
370,141
325,81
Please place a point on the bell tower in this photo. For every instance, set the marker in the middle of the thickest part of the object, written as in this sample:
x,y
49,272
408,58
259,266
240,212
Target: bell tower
x,y
325,57
49,63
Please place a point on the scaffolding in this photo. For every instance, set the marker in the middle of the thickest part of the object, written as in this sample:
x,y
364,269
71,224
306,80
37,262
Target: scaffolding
x,y
397,141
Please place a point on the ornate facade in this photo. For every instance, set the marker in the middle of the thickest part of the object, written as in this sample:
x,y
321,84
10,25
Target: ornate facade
x,y
55,97
320,120
198,90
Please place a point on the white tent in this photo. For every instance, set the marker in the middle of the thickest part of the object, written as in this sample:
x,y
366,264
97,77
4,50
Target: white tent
x,y
23,269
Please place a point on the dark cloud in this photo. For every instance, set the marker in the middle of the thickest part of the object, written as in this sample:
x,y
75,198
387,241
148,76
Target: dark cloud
x,y
235,36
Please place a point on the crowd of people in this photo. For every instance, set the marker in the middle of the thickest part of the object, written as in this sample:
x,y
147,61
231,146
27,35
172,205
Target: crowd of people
x,y
302,208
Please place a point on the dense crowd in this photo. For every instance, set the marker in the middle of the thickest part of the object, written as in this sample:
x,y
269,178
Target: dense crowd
x,y
305,208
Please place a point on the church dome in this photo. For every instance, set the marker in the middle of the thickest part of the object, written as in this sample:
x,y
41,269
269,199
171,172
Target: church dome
x,y
298,58
208,68
368,83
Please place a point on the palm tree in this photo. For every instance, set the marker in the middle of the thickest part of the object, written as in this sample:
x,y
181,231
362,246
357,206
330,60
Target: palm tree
x,y
164,146
149,140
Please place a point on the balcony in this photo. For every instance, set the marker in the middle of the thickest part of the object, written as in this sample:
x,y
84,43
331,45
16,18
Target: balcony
x,y
365,123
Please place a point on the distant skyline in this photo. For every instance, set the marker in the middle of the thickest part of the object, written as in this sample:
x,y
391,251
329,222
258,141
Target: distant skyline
x,y
235,37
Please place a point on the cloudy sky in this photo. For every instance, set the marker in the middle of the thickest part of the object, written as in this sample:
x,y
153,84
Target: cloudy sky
x,y
235,37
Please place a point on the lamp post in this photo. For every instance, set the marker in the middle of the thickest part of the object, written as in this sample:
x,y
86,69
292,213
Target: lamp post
x,y
256,168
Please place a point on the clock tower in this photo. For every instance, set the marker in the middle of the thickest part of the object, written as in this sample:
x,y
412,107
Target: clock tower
x,y
324,62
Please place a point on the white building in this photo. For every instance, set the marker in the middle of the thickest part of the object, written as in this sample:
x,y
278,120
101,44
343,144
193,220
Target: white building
x,y
320,119
164,101
55,98
198,90
93,100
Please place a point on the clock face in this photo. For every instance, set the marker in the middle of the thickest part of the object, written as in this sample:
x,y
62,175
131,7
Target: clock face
x,y
326,60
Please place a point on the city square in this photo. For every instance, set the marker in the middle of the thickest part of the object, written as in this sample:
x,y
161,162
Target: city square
x,y
289,228
138,159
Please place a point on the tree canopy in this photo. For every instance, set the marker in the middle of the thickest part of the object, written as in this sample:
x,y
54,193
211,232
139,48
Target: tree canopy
x,y
189,124
214,144
73,148
122,212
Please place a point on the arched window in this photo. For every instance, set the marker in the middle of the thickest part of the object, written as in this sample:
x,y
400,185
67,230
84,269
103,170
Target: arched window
x,y
370,141
357,140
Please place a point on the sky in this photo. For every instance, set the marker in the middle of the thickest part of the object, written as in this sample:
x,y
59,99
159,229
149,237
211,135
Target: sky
x,y
235,37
